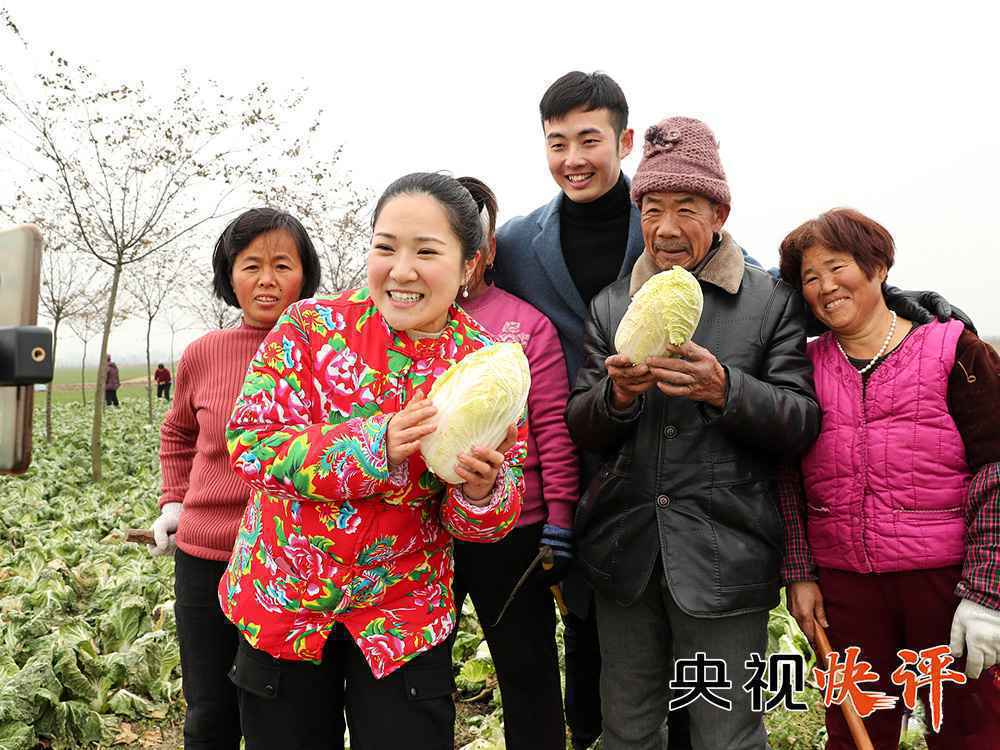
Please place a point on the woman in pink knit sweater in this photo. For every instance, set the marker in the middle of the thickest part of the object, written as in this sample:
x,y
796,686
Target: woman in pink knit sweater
x,y
263,261
523,643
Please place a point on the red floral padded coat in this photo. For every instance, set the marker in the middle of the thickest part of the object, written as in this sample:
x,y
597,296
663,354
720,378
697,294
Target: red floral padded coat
x,y
331,534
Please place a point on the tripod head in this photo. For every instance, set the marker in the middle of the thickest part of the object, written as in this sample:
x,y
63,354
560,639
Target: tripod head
x,y
25,348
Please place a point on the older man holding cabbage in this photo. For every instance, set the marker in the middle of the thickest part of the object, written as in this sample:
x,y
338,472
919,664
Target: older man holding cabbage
x,y
692,395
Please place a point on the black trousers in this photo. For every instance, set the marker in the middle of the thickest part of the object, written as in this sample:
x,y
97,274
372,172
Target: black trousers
x,y
208,644
523,644
111,397
295,705
583,678
163,390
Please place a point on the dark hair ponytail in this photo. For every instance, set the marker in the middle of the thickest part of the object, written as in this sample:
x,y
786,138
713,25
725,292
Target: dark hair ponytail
x,y
484,198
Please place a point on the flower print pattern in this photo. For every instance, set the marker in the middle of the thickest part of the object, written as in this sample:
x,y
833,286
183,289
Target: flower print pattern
x,y
339,368
331,534
432,597
322,320
344,518
379,550
307,561
386,647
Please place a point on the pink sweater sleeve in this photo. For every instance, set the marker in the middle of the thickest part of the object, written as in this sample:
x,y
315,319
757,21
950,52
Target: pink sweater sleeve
x,y
557,454
178,436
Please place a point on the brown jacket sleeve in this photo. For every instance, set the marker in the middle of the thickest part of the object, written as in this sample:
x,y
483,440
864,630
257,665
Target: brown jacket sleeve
x,y
974,399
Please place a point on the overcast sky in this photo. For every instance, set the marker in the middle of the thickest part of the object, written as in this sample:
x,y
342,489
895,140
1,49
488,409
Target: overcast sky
x,y
887,107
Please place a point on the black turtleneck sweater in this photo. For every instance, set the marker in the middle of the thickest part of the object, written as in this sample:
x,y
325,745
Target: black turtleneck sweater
x,y
594,237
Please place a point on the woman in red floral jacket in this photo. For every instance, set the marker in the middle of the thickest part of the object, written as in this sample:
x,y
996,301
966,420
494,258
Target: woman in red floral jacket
x,y
342,570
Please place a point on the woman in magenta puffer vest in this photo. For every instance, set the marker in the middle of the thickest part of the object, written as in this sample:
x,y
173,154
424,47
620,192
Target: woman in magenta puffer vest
x,y
892,533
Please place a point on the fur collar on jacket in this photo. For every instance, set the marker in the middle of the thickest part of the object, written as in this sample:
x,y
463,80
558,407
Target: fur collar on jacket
x,y
724,269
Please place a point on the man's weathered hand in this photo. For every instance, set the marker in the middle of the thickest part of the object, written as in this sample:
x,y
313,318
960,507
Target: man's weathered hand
x,y
628,380
805,603
696,374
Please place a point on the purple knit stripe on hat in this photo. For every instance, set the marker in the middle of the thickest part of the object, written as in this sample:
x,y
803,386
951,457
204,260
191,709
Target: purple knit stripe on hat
x,y
681,155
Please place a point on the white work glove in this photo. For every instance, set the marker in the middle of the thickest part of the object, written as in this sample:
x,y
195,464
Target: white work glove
x,y
165,530
979,627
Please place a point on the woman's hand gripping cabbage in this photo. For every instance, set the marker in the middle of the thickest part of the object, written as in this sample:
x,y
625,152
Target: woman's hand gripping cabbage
x,y
477,399
407,427
478,467
468,422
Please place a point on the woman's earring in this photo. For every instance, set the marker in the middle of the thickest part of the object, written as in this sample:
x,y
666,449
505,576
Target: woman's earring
x,y
465,291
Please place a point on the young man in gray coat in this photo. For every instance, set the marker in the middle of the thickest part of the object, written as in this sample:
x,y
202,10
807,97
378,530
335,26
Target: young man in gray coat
x,y
557,258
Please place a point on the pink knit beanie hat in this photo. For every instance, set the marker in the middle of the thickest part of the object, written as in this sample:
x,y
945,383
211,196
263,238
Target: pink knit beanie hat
x,y
680,155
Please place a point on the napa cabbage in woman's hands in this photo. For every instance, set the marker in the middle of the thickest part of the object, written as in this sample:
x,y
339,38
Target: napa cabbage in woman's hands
x,y
477,400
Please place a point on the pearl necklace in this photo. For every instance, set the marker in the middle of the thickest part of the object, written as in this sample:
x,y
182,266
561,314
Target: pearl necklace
x,y
877,357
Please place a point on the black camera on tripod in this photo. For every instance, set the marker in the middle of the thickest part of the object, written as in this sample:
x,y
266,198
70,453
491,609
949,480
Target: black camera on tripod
x,y
25,348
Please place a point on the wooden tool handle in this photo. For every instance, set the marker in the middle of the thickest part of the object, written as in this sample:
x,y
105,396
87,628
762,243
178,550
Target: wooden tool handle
x,y
139,536
548,562
854,723
560,602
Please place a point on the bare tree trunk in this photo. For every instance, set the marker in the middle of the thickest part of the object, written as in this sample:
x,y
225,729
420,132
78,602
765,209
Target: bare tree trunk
x,y
102,370
83,375
48,388
149,371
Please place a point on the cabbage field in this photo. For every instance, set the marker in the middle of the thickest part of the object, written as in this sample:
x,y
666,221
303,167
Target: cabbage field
x,y
87,643
88,653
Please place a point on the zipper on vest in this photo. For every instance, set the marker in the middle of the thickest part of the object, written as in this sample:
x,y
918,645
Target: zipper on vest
x,y
953,509
864,458
968,378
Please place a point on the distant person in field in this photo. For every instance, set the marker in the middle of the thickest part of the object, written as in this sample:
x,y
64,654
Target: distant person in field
x,y
263,262
891,531
163,380
112,382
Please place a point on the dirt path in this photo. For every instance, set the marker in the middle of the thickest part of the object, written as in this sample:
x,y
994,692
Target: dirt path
x,y
166,736
170,735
